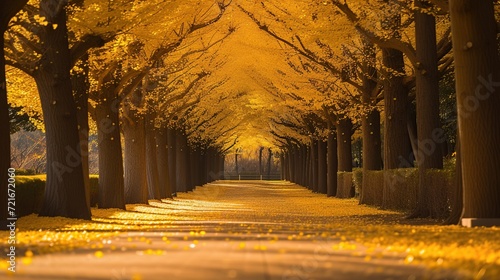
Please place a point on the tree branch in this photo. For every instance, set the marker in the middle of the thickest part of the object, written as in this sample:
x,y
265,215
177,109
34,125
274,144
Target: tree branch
x,y
86,43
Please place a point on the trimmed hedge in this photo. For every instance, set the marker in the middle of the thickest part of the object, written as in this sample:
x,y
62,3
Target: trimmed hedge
x,y
397,189
345,185
30,189
29,194
357,179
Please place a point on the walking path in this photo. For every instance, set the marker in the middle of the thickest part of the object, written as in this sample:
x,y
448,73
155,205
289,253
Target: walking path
x,y
247,230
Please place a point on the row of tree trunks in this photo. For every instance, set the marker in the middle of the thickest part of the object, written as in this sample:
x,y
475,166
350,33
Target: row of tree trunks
x,y
315,166
158,161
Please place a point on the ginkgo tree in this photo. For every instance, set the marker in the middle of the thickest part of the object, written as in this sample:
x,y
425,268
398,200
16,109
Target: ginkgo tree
x,y
39,45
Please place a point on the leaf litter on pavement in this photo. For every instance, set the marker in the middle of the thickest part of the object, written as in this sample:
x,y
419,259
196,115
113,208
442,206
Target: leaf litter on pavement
x,y
271,212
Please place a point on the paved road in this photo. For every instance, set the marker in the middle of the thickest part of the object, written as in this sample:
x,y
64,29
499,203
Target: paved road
x,y
237,230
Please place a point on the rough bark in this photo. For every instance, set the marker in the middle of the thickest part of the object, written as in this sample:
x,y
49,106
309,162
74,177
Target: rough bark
x,y
269,163
457,203
306,155
192,171
182,163
210,166
261,149
7,10
152,160
332,164
427,94
64,188
322,166
397,147
162,151
370,123
172,161
80,84
344,144
236,167
313,150
282,166
477,75
134,128
221,166
111,173
4,137
372,148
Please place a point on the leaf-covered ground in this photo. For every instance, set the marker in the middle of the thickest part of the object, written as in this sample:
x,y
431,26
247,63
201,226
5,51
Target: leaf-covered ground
x,y
297,234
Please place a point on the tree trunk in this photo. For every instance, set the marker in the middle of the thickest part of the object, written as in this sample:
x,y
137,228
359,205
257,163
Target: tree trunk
x,y
64,188
202,168
192,171
111,181
306,165
397,147
269,163
181,159
236,168
5,136
370,123
80,84
332,164
261,149
220,170
152,160
477,72
457,203
412,129
7,10
172,159
427,86
313,159
344,144
322,167
136,185
5,127
291,164
372,148
210,165
282,166
162,151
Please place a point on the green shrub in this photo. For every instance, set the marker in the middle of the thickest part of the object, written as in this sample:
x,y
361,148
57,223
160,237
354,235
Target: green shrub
x,y
30,190
29,194
372,188
25,172
396,189
399,190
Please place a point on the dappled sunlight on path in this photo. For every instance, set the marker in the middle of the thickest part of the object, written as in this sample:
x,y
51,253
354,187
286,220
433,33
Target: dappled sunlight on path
x,y
251,230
